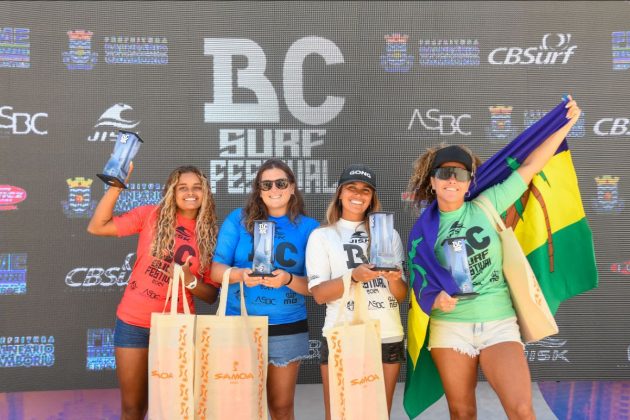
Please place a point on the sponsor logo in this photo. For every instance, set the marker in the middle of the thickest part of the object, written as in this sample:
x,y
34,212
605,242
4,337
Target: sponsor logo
x,y
108,124
27,351
235,375
21,123
530,117
547,350
360,172
10,196
445,124
79,55
161,375
500,129
105,278
15,48
314,351
79,203
137,194
13,274
290,298
265,300
621,50
100,349
612,127
395,58
364,380
136,50
555,48
608,200
621,268
243,149
449,52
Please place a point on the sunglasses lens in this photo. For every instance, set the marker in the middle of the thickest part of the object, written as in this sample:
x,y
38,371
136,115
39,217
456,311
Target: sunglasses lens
x,y
447,172
282,184
266,185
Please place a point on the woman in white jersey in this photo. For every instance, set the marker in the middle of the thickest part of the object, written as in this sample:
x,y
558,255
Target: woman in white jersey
x,y
342,246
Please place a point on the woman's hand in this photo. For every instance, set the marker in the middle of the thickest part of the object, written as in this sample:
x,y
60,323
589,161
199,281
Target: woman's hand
x,y
364,273
444,302
250,281
574,111
281,279
392,276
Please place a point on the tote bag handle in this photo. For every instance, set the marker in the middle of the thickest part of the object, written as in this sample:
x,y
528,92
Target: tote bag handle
x,y
174,286
225,285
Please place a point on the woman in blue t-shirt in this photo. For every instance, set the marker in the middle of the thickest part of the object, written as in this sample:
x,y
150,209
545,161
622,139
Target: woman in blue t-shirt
x,y
274,196
468,333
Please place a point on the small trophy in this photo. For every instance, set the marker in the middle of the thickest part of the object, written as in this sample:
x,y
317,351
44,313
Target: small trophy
x,y
264,231
117,167
382,241
457,263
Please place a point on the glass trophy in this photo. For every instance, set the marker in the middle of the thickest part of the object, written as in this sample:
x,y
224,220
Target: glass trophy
x,y
262,265
457,264
117,167
382,241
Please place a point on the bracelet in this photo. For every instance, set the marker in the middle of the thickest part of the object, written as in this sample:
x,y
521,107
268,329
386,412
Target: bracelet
x,y
192,284
290,279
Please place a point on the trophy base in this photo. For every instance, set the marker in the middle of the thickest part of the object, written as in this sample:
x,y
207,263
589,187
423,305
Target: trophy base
x,y
112,181
262,275
385,269
466,296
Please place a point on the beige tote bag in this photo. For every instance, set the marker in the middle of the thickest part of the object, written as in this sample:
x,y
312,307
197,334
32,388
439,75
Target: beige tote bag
x,y
231,363
534,317
355,369
171,357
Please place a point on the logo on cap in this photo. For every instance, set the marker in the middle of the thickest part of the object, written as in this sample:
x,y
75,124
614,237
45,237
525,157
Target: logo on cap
x,y
360,172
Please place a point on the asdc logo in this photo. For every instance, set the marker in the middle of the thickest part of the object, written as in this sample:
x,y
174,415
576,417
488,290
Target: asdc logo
x,y
554,49
243,149
21,123
436,120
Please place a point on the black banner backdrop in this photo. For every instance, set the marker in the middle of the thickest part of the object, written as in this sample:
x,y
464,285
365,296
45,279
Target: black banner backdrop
x,y
226,85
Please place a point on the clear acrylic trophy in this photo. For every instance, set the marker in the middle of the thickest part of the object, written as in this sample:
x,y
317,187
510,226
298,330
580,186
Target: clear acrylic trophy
x,y
264,231
117,167
382,241
457,264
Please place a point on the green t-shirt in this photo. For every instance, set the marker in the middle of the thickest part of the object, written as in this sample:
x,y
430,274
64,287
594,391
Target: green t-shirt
x,y
485,258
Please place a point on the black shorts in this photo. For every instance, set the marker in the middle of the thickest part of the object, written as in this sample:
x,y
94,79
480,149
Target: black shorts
x,y
391,352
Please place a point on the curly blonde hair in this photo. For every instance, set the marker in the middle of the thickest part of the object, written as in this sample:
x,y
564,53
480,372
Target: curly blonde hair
x,y
206,229
419,187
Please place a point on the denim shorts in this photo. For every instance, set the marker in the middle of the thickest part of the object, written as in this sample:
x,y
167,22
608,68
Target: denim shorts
x,y
390,352
284,349
471,337
126,335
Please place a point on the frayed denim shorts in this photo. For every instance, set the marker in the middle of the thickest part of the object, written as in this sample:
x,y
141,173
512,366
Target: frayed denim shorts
x,y
471,337
284,349
127,335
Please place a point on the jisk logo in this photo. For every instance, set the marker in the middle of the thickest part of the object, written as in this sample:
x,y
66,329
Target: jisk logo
x,y
234,375
161,375
365,379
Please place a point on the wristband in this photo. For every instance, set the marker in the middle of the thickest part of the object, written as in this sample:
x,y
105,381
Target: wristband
x,y
290,279
192,284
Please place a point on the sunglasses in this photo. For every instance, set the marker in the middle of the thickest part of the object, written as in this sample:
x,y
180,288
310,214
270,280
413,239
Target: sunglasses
x,y
281,184
445,173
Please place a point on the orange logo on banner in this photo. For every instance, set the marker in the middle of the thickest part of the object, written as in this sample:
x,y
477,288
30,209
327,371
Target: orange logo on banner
x,y
162,375
367,378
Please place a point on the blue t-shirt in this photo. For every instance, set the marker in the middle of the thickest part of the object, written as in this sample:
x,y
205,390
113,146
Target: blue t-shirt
x,y
235,248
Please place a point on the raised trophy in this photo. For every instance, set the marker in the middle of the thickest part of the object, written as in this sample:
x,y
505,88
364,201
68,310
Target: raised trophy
x,y
117,167
382,241
457,264
262,265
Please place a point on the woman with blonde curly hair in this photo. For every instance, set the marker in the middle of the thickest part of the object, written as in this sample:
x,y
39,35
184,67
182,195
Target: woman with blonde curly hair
x,y
466,333
182,228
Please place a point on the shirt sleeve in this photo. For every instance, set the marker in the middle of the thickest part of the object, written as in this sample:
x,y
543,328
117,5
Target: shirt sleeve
x,y
503,195
317,262
227,240
133,221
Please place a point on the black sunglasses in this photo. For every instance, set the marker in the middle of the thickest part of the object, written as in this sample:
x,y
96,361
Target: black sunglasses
x,y
445,173
281,184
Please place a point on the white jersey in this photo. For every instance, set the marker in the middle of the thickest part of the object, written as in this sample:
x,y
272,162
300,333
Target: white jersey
x,y
334,250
